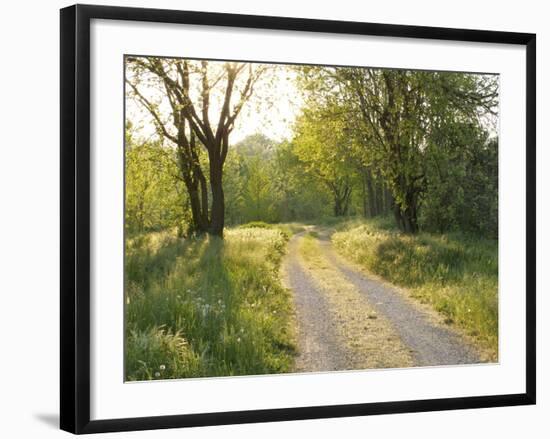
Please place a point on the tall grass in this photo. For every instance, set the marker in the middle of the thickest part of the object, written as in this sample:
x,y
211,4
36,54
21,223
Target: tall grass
x,y
287,229
207,307
456,273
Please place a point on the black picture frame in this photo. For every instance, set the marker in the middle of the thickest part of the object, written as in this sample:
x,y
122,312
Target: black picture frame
x,y
75,217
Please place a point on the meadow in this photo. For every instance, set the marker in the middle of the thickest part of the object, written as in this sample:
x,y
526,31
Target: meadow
x,y
228,165
205,306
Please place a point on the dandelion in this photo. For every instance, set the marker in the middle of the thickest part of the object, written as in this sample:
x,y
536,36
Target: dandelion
x,y
162,367
157,374
238,339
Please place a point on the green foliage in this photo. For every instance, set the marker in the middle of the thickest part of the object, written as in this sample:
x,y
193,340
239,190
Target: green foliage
x,y
265,181
250,182
154,198
456,273
324,147
407,125
462,193
206,306
371,141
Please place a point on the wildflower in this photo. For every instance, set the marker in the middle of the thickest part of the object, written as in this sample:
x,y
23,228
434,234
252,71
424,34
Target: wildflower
x,y
162,367
238,339
157,374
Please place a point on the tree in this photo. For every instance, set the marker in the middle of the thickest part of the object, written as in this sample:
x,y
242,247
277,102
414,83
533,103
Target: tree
x,y
301,195
324,147
462,182
399,113
250,181
202,99
153,201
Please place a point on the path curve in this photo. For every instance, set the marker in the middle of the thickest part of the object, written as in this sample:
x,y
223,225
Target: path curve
x,y
431,344
321,349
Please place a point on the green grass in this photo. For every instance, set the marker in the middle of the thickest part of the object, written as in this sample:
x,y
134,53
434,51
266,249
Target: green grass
x,y
206,307
456,273
288,229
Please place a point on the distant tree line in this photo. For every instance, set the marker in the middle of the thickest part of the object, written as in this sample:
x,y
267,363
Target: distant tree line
x,y
418,145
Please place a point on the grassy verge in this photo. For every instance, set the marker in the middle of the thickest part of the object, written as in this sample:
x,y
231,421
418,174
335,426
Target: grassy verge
x,y
455,273
287,229
207,307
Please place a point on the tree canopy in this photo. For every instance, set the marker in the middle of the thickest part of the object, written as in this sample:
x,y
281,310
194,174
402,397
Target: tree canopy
x,y
419,145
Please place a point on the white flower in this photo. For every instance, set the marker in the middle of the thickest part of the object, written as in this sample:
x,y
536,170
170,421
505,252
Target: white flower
x,y
162,367
238,339
157,374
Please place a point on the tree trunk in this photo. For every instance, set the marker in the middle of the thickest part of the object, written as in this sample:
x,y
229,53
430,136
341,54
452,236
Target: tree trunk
x,y
379,195
371,194
337,206
342,194
406,218
195,182
364,193
346,200
388,200
217,211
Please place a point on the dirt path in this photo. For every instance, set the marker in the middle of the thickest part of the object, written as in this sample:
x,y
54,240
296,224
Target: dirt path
x,y
349,320
320,348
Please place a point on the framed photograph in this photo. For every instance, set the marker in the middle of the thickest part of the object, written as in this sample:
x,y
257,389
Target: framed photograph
x,y
268,218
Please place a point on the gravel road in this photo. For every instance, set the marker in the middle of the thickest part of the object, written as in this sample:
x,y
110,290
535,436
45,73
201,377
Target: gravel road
x,y
431,344
320,348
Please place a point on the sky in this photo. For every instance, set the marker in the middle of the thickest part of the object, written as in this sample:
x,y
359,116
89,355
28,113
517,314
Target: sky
x,y
271,110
